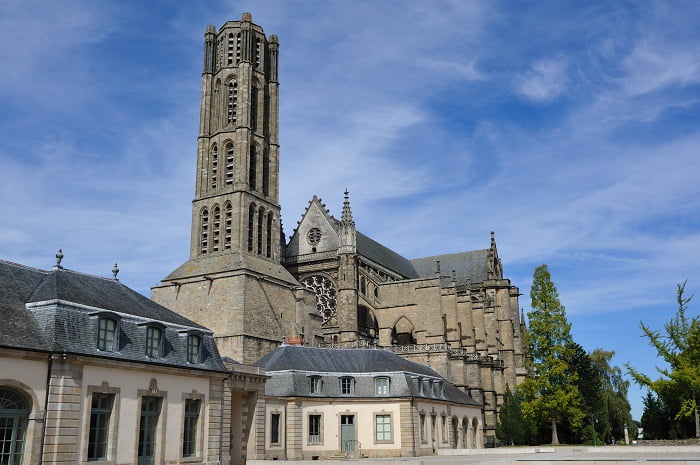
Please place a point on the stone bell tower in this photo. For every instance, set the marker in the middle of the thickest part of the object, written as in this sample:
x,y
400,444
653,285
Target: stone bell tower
x,y
236,205
234,282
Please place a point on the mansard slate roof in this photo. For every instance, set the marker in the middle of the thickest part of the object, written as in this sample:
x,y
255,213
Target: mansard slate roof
x,y
291,366
57,311
468,266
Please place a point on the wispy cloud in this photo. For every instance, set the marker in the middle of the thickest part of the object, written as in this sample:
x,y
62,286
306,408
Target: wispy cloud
x,y
546,80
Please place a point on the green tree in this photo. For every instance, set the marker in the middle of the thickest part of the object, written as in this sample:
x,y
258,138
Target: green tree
x,y
615,409
680,348
656,419
512,426
551,391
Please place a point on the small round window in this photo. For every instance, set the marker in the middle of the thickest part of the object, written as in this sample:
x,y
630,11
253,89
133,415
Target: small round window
x,y
314,236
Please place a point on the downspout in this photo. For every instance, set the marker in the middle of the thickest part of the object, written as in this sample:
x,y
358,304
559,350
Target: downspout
x,y
413,425
49,367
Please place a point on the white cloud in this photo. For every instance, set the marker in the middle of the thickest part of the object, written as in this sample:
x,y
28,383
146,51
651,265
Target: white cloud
x,y
545,81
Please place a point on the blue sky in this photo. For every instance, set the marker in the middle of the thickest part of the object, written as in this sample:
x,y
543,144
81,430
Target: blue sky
x,y
571,129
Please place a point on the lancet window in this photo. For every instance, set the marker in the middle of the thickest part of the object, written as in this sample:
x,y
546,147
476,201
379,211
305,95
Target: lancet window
x,y
217,229
214,166
251,226
252,168
232,102
269,236
229,163
204,231
229,220
230,49
266,174
261,217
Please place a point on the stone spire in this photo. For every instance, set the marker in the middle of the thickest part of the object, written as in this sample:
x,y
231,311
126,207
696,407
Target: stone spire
x,y
346,218
347,233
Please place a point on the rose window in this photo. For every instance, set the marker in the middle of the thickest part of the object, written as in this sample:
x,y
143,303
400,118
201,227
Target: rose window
x,y
325,295
314,236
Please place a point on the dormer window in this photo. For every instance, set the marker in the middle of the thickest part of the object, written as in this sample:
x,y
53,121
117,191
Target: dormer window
x,y
107,334
154,341
347,386
316,384
194,343
381,386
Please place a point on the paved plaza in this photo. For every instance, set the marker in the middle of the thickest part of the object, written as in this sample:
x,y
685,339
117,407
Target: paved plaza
x,y
545,455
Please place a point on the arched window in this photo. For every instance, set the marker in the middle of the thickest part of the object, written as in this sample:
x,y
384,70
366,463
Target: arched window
x,y
214,165
252,168
268,252
261,216
266,173
238,47
231,45
363,285
232,102
204,231
229,163
229,220
254,109
251,226
217,228
14,412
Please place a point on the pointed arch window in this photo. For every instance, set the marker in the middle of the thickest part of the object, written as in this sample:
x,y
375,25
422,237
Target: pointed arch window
x,y
204,231
261,217
254,109
229,219
214,166
252,168
266,173
232,102
229,163
251,226
230,49
269,236
217,229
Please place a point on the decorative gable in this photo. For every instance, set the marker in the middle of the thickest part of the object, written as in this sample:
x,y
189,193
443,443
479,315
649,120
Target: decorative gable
x,y
315,233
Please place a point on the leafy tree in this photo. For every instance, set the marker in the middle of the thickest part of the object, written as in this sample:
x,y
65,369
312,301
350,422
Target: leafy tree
x,y
680,348
512,426
551,392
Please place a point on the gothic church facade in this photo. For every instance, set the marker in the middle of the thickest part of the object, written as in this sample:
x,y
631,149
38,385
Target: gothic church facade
x,y
329,285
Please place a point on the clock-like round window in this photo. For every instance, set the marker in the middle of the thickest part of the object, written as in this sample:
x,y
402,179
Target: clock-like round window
x,y
314,236
325,295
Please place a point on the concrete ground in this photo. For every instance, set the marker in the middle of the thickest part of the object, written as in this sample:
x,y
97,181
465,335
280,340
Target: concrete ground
x,y
547,455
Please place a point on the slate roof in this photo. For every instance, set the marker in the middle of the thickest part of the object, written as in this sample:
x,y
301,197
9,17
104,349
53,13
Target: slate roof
x,y
468,266
384,256
57,311
289,368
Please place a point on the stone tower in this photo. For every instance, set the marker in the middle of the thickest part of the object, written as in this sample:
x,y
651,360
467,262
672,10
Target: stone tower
x,y
234,282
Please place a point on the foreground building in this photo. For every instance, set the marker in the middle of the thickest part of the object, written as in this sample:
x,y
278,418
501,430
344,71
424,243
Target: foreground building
x,y
92,371
329,284
319,402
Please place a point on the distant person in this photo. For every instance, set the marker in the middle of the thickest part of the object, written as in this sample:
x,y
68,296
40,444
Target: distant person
x,y
612,440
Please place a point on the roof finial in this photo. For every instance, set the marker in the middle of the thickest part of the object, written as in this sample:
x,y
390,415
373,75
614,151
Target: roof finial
x,y
493,238
115,272
437,268
346,218
59,257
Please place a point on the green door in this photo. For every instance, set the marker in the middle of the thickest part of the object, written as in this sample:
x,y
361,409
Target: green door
x,y
150,411
347,433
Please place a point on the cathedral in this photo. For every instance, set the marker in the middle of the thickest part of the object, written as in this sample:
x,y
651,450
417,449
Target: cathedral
x,y
328,285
